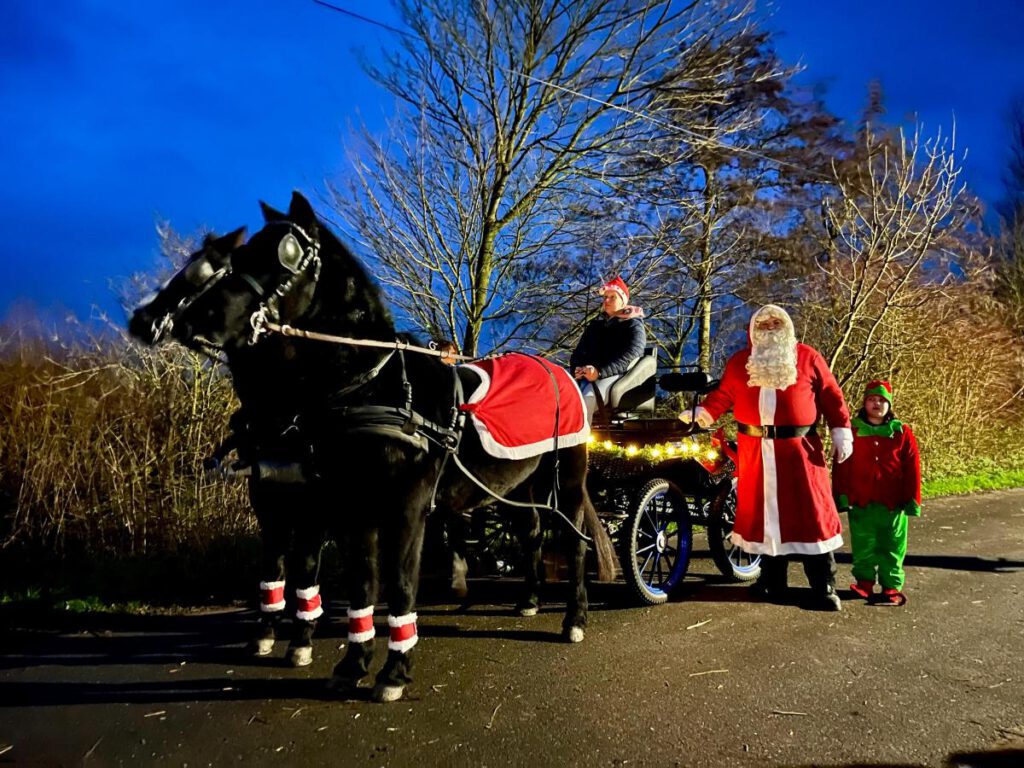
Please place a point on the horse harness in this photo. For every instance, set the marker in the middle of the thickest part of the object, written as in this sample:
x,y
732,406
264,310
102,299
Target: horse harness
x,y
401,423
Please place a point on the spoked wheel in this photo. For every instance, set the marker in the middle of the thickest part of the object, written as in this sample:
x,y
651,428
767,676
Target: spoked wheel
x,y
732,561
656,551
499,550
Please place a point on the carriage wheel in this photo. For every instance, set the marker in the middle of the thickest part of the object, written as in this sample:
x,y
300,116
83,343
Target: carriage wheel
x,y
499,547
656,551
732,561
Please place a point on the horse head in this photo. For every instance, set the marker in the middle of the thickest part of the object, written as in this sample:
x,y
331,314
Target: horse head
x,y
164,310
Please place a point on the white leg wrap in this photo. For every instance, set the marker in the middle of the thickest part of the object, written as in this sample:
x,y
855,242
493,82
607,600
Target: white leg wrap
x,y
403,635
308,605
360,625
271,596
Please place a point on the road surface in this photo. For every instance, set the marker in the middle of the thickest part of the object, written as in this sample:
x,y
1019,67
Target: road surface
x,y
710,679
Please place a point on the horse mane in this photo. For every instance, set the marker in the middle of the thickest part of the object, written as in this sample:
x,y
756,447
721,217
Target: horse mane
x,y
345,278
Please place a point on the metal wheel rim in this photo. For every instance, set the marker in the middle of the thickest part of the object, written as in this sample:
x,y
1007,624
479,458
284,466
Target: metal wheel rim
x,y
660,545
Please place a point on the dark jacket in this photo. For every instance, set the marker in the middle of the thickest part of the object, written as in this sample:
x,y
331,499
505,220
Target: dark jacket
x,y
610,344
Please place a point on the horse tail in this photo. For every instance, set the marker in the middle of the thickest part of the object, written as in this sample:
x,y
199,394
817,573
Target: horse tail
x,y
602,542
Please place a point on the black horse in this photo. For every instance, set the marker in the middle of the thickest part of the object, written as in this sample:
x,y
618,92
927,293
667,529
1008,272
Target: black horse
x,y
379,467
264,434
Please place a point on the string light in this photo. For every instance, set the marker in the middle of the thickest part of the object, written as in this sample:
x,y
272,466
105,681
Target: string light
x,y
708,456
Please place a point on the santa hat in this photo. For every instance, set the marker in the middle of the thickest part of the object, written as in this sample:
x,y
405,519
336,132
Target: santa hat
x,y
879,387
619,286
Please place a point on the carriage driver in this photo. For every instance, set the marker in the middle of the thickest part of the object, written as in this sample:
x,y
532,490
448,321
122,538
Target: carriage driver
x,y
610,343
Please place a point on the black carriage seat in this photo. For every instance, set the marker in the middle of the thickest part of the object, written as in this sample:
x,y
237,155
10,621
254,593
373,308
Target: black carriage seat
x,y
635,389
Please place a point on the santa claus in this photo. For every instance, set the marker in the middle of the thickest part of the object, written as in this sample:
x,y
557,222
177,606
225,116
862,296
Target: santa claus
x,y
778,389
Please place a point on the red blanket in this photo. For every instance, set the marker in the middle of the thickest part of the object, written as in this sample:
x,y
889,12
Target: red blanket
x,y
514,408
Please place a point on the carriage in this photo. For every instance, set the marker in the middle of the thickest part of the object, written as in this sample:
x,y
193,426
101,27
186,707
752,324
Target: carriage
x,y
653,481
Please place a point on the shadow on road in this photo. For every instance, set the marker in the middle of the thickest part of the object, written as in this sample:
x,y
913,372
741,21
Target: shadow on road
x,y
954,562
997,758
38,694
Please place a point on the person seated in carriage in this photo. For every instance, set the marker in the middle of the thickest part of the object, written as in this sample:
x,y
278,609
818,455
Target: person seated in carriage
x,y
610,344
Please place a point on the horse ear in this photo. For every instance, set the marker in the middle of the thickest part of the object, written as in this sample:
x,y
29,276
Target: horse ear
x,y
230,242
271,215
301,212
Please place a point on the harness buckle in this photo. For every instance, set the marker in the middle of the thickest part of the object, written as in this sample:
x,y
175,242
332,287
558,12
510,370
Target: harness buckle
x,y
258,321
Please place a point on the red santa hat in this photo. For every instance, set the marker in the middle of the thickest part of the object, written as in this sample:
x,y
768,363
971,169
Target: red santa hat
x,y
879,387
619,286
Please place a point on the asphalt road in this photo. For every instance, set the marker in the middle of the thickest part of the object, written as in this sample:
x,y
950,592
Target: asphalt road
x,y
709,679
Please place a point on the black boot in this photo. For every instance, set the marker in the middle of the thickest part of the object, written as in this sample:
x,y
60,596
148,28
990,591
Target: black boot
x,y
772,584
821,575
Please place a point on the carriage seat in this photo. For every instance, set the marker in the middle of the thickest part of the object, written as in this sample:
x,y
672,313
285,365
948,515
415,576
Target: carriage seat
x,y
635,389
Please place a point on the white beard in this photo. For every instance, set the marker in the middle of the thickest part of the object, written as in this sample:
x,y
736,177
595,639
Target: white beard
x,y
772,361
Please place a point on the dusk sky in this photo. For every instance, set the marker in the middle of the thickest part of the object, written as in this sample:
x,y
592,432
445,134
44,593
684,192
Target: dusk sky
x,y
116,114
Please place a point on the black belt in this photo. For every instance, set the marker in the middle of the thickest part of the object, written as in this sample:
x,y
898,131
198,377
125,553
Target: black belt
x,y
774,433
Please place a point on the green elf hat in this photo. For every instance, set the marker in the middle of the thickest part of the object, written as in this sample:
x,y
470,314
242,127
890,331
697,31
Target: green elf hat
x,y
879,387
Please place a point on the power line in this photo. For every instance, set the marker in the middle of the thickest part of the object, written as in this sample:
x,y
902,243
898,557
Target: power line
x,y
635,113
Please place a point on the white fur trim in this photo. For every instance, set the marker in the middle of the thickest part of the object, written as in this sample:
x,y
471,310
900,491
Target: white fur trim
x,y
499,451
402,646
358,613
772,532
766,402
266,586
770,473
789,547
308,594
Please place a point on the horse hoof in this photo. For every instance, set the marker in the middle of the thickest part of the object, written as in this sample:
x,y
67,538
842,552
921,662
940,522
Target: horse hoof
x,y
301,656
574,635
263,646
384,693
527,610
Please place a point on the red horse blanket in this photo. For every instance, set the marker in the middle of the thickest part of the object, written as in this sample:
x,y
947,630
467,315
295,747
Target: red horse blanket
x,y
515,407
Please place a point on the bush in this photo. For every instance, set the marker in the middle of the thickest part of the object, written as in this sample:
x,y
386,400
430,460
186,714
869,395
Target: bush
x,y
101,452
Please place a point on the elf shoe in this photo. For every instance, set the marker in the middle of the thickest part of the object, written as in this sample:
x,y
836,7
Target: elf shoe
x,y
863,589
890,597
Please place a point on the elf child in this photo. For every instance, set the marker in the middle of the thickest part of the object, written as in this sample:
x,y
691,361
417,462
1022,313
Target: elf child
x,y
880,486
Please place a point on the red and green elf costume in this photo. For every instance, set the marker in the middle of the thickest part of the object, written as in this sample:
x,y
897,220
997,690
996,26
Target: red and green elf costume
x,y
880,485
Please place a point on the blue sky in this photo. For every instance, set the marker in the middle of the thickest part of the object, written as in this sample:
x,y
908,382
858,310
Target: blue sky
x,y
117,114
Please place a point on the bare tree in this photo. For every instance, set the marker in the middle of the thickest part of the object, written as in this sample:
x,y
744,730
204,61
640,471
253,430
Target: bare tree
x,y
512,111
898,216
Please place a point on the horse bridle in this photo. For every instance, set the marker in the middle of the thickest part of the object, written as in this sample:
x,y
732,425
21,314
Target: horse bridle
x,y
296,258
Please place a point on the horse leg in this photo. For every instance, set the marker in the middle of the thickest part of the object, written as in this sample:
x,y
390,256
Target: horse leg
x,y
361,569
274,536
530,535
402,568
305,569
572,500
455,528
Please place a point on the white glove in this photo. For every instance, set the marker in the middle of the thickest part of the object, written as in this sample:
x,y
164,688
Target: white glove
x,y
700,415
842,443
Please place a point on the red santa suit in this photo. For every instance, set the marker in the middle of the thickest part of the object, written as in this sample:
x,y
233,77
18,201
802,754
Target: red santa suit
x,y
784,498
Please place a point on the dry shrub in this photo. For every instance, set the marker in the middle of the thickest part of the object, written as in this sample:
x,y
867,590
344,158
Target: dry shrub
x,y
102,445
956,369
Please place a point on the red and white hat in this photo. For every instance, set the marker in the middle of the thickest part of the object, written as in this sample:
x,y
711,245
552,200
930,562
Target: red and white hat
x,y
619,286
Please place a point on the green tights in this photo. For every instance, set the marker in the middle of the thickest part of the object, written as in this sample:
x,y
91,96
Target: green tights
x,y
878,537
